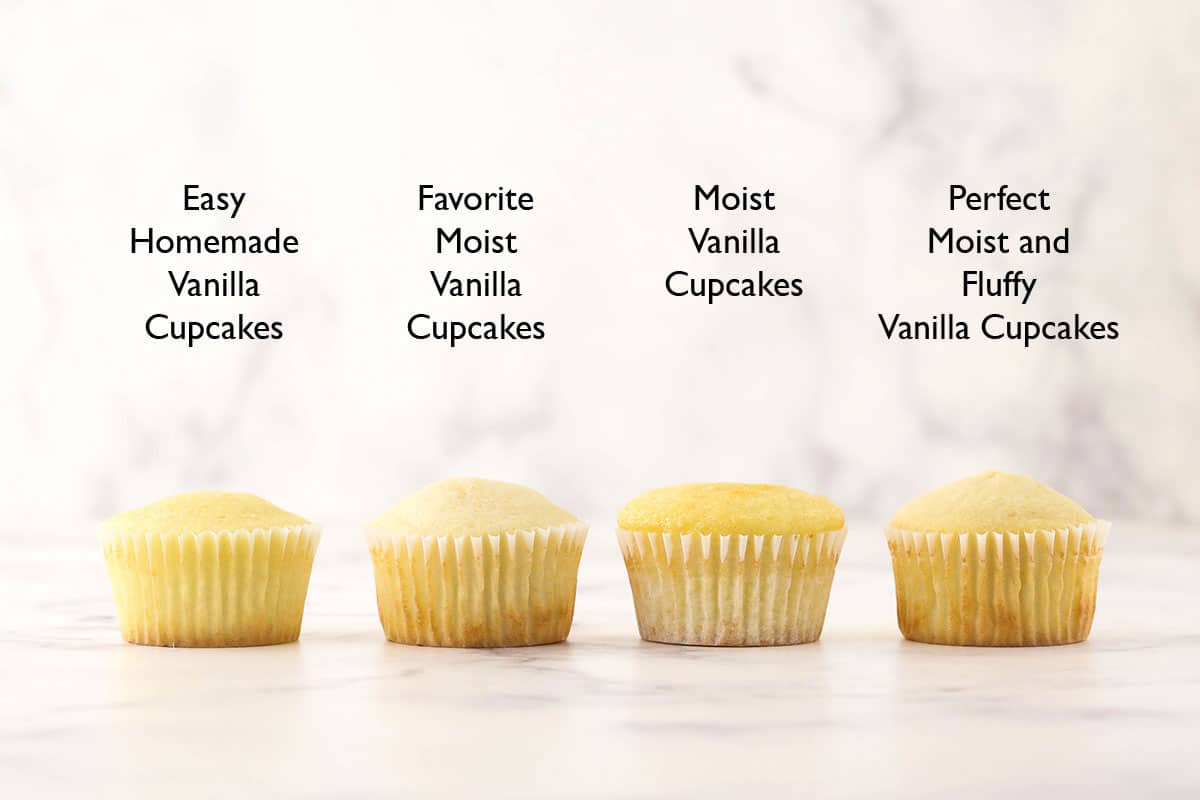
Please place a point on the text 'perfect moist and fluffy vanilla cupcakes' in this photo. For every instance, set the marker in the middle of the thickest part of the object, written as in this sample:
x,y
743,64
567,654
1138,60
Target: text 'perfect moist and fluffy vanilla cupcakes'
x,y
209,569
997,559
730,563
468,562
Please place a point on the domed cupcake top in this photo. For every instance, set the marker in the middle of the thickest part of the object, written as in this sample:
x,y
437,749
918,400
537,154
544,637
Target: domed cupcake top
x,y
730,508
992,501
203,512
471,507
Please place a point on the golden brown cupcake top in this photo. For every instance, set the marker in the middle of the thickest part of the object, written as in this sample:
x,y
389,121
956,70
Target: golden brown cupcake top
x,y
992,501
730,508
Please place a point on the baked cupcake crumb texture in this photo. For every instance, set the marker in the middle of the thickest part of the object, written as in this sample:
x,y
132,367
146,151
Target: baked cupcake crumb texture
x,y
730,564
727,508
209,569
205,512
471,507
468,562
995,559
991,501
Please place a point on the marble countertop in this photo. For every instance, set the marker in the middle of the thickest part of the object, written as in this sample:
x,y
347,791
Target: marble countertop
x,y
345,714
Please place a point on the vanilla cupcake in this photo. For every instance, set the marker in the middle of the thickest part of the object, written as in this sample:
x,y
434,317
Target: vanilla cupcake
x,y
209,569
997,559
730,563
476,563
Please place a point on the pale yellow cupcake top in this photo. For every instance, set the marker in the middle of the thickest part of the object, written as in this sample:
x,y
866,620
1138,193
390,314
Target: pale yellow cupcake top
x,y
730,508
992,501
471,507
204,512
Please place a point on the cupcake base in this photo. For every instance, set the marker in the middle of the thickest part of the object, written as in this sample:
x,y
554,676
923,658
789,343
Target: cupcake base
x,y
507,590
997,589
226,589
735,590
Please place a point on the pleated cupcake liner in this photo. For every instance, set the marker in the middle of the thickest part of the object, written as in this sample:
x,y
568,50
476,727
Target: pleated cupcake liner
x,y
502,590
730,590
997,588
215,589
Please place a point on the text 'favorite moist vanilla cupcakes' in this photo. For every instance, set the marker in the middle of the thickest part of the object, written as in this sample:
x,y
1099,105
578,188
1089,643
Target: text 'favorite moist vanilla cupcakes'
x,y
997,559
209,569
469,562
730,563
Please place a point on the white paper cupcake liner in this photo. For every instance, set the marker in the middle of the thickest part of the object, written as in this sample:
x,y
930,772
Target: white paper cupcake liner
x,y
504,590
213,589
997,588
734,590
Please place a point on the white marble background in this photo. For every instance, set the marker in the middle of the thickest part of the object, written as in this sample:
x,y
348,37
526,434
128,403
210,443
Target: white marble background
x,y
858,114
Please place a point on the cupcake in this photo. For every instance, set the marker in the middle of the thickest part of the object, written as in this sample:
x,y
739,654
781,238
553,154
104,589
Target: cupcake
x,y
997,559
209,569
476,563
730,563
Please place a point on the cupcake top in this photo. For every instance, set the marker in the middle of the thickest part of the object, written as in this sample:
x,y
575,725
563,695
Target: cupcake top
x,y
730,508
991,501
471,507
204,512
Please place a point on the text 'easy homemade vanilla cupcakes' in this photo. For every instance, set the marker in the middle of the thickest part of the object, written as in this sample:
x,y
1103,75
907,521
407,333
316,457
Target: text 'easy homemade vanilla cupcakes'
x,y
209,569
730,563
997,559
469,562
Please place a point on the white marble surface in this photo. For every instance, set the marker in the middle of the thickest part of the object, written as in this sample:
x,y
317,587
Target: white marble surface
x,y
344,714
859,114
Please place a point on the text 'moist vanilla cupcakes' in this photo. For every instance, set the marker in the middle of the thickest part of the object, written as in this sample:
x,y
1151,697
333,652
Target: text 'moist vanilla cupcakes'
x,y
209,569
469,562
730,563
996,559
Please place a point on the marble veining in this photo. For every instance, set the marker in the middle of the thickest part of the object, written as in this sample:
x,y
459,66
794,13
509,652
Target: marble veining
x,y
857,114
343,713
